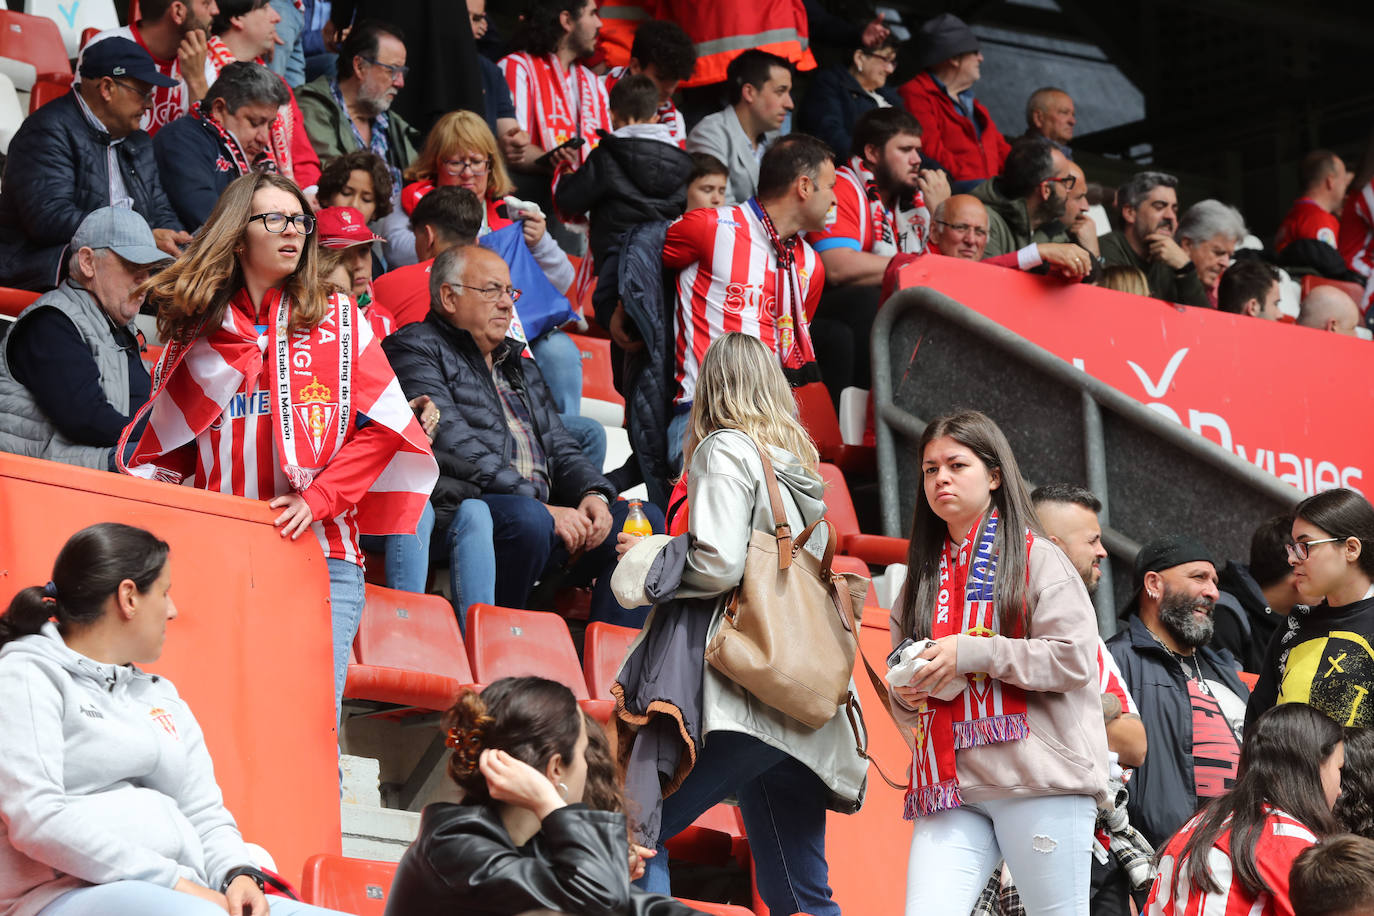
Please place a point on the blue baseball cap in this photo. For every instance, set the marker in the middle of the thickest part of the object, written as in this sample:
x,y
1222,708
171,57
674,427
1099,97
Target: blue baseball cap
x,y
120,57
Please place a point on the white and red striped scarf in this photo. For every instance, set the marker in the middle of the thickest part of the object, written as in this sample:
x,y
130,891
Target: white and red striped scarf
x,y
905,229
322,380
279,143
987,711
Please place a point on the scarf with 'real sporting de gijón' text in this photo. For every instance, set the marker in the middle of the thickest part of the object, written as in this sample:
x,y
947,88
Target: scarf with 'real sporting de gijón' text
x,y
987,711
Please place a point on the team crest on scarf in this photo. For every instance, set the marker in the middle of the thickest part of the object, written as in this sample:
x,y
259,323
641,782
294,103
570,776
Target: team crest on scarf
x,y
316,411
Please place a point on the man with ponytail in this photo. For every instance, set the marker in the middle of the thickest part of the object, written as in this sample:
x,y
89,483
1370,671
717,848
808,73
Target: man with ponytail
x,y
108,800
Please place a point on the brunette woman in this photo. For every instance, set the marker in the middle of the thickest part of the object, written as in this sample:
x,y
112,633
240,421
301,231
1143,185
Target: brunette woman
x,y
522,839
1013,766
1332,555
1235,856
270,389
108,800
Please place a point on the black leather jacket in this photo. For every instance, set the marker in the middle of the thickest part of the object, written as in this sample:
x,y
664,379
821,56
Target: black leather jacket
x,y
56,175
463,861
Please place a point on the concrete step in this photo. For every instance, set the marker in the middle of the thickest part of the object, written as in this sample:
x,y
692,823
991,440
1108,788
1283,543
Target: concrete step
x,y
380,834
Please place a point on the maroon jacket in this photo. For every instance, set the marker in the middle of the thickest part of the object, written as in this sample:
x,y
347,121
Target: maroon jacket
x,y
949,137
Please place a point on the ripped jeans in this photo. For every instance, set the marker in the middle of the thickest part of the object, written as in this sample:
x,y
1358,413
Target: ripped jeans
x,y
1046,841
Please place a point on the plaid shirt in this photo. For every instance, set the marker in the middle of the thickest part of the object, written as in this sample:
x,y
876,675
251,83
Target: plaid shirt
x,y
528,457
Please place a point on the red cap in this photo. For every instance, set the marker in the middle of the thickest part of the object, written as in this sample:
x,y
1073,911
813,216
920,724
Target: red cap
x,y
343,227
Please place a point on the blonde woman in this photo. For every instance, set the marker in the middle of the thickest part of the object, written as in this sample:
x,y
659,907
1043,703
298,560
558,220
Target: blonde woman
x,y
784,774
270,389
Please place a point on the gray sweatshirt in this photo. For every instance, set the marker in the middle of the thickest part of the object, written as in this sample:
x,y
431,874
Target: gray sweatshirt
x,y
104,776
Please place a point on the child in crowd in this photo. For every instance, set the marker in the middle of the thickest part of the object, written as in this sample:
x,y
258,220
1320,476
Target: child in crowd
x,y
708,183
635,175
1334,878
345,241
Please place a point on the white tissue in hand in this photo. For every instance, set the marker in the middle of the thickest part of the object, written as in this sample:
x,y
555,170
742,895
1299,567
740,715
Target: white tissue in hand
x,y
900,674
519,209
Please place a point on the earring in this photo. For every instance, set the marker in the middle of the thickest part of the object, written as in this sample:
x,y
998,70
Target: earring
x,y
563,790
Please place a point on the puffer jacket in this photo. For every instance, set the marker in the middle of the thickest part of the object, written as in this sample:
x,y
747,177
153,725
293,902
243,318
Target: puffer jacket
x,y
729,501
56,175
105,777
464,861
195,167
435,358
624,182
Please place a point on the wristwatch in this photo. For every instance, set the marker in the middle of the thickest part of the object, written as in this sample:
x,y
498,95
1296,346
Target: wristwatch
x,y
604,498
239,872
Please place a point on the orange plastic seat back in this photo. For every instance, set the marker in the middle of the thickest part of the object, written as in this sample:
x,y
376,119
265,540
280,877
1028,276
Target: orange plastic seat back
x,y
602,654
35,40
598,379
14,301
817,414
44,91
839,506
413,632
504,642
356,886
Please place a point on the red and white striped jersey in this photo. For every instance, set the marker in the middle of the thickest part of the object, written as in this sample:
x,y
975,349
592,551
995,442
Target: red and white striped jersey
x,y
1356,241
729,280
860,222
1280,841
1109,680
553,105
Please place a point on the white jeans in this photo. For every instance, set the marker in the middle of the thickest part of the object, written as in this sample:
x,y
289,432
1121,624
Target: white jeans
x,y
1046,841
146,899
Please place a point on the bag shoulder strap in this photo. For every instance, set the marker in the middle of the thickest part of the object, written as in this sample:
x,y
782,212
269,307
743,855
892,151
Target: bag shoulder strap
x,y
880,688
781,530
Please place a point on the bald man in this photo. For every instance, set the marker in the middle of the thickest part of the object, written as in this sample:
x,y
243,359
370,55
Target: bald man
x,y
1327,308
1050,113
959,229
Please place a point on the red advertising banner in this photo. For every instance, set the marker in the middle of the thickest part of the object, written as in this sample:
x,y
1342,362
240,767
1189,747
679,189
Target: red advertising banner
x,y
1291,400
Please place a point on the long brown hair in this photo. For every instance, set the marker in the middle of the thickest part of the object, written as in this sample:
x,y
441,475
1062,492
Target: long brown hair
x,y
192,294
977,432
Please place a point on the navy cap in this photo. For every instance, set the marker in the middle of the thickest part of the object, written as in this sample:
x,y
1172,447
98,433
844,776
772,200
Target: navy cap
x,y
1160,554
120,57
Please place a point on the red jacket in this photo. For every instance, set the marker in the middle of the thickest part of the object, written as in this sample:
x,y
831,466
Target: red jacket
x,y
949,137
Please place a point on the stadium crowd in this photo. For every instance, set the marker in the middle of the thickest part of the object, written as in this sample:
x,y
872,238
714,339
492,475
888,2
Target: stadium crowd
x,y
364,259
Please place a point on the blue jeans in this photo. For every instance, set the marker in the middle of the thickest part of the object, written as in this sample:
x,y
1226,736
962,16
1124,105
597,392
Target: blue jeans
x,y
526,545
560,362
590,436
677,427
407,555
783,804
148,899
345,612
471,558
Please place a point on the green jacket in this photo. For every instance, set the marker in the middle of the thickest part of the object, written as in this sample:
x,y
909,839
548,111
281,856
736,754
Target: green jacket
x,y
1009,223
1180,286
331,133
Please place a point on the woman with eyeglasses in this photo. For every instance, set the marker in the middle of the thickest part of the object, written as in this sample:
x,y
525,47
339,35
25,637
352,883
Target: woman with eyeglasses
x,y
1325,655
270,389
840,93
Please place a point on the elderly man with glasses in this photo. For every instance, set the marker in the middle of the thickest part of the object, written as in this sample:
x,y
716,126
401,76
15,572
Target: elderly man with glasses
x,y
71,368
959,229
79,153
530,506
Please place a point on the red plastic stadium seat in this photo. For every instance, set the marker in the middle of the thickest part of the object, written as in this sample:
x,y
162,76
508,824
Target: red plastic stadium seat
x,y
35,40
505,642
597,377
44,91
348,885
817,414
409,652
715,838
602,654
839,508
87,35
1353,290
14,301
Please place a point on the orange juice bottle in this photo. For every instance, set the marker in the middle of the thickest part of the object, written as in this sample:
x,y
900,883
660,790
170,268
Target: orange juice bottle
x,y
637,523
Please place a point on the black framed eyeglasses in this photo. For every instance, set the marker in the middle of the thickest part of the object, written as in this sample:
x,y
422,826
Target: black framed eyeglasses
x,y
1068,181
276,222
1299,550
491,293
961,228
393,70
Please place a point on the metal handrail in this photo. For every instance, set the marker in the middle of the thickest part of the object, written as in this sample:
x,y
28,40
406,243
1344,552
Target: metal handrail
x,y
1096,395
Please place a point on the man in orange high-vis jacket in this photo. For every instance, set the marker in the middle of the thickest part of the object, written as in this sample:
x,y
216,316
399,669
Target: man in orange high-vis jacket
x,y
723,29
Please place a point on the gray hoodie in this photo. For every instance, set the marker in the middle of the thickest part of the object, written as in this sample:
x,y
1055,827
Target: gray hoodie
x,y
104,776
